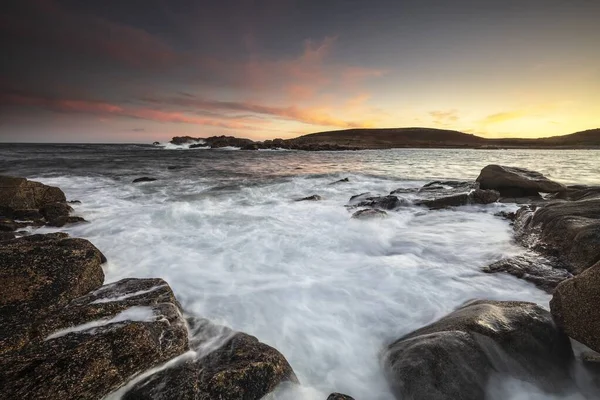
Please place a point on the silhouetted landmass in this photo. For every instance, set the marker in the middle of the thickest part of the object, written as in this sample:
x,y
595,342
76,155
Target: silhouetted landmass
x,y
363,139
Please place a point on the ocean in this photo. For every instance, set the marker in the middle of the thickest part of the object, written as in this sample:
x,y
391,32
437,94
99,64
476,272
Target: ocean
x,y
329,292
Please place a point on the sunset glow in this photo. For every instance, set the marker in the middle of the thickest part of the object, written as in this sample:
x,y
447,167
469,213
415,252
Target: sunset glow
x,y
112,72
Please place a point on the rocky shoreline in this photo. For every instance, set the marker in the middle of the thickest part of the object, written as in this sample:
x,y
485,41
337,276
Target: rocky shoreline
x,y
64,333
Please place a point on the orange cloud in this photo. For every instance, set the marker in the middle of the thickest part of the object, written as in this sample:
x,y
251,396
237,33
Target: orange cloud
x,y
503,116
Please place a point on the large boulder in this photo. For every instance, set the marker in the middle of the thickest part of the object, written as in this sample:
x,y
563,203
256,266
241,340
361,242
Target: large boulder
x,y
97,342
569,230
516,182
575,307
40,274
240,367
369,213
19,193
454,357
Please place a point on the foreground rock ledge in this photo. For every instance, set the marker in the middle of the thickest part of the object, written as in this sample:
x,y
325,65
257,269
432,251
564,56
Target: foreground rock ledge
x,y
63,335
454,357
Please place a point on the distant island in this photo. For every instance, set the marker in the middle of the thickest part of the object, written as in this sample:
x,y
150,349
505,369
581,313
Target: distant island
x,y
389,138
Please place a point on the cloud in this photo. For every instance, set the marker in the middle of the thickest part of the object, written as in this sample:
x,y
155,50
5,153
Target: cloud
x,y
444,117
503,117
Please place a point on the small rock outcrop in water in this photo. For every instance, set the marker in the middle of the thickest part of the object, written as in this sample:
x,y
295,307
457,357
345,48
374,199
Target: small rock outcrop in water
x,y
339,396
516,182
389,202
144,179
575,307
64,335
240,368
369,213
344,180
477,196
533,268
28,203
454,357
314,197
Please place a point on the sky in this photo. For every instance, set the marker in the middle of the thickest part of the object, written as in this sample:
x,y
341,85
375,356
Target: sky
x,y
147,70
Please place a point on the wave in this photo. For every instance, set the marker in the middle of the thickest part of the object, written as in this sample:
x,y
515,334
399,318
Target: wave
x,y
184,146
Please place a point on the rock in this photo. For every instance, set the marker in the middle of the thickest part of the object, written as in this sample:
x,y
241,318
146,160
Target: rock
x,y
575,307
460,186
341,181
156,143
354,200
40,274
179,140
29,214
533,268
369,213
578,192
454,357
404,191
384,202
516,182
62,221
74,202
339,396
567,230
19,193
53,211
509,215
7,225
240,368
88,361
477,196
6,236
314,197
144,179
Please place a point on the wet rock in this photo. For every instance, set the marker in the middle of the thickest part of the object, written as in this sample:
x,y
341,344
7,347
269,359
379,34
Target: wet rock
x,y
156,143
314,197
8,225
238,367
533,268
476,196
65,220
369,213
516,182
460,186
40,274
509,215
28,215
340,181
404,191
454,357
568,230
74,202
53,211
382,202
354,200
88,361
6,236
144,179
575,307
578,192
19,193
339,396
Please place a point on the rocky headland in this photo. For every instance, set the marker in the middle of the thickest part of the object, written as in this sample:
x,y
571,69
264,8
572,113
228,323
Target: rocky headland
x,y
65,333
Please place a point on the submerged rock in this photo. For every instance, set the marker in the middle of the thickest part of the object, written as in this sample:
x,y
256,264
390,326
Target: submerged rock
x,y
567,230
354,200
454,357
64,220
533,268
41,274
53,211
314,197
237,366
369,213
575,307
144,179
516,182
